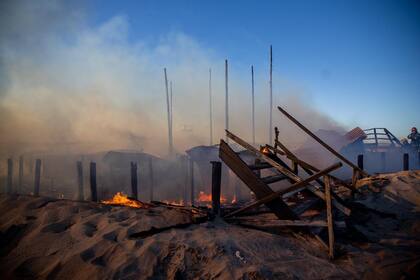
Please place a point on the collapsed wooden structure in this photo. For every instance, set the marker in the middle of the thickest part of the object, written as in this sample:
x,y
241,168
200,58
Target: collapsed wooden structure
x,y
268,157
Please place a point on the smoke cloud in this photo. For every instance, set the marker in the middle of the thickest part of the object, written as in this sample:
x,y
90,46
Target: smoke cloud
x,y
67,85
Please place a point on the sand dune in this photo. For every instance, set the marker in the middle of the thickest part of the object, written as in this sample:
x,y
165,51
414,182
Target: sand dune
x,y
64,239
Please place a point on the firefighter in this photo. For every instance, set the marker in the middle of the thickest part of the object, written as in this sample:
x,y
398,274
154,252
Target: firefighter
x,y
414,136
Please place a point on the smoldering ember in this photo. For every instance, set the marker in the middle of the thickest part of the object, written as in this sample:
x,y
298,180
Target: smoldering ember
x,y
126,153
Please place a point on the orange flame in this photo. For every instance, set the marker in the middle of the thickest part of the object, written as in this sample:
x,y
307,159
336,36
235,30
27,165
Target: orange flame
x,y
122,199
265,150
204,197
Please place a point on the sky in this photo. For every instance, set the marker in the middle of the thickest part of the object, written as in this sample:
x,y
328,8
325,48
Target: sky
x,y
74,71
356,61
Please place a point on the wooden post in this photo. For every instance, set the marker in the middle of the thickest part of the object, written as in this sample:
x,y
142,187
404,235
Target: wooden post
x,y
295,167
9,187
37,177
192,181
215,186
134,192
170,143
152,181
93,191
406,165
360,161
330,221
20,185
383,161
79,166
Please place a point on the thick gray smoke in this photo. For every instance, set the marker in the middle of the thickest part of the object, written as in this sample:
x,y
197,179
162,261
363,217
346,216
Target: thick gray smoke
x,y
70,86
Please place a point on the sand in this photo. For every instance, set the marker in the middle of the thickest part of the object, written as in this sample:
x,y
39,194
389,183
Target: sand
x,y
64,239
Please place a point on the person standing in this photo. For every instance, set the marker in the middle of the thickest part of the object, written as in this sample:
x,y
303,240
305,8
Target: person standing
x,y
414,136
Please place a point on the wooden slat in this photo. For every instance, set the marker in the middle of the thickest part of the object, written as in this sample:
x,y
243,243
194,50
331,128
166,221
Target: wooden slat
x,y
325,145
277,194
276,223
239,167
329,217
273,179
284,171
260,166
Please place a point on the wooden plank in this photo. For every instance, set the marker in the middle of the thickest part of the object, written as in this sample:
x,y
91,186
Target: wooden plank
x,y
277,194
259,166
239,167
284,171
325,145
329,217
216,177
273,179
277,223
308,167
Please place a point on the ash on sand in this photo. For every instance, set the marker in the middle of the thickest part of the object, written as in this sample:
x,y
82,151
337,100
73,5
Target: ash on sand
x,y
63,239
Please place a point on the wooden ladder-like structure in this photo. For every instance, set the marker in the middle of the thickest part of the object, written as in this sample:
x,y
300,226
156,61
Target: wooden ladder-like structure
x,y
273,199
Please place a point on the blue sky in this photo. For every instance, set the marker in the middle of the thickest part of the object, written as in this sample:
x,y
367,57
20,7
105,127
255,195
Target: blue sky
x,y
357,61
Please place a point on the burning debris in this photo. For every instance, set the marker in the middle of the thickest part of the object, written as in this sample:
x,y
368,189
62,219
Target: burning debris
x,y
121,199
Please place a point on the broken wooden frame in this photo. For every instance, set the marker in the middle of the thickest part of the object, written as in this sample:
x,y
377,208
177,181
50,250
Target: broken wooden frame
x,y
272,199
284,171
356,170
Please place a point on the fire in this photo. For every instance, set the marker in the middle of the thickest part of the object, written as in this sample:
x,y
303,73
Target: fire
x,y
204,197
122,199
265,150
234,199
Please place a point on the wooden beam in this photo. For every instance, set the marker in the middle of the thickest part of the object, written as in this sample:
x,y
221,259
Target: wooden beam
x,y
241,169
277,194
277,223
329,217
309,168
284,171
325,145
216,178
273,179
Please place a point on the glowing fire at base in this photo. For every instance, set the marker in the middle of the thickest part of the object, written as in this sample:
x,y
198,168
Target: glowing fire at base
x,y
204,197
122,199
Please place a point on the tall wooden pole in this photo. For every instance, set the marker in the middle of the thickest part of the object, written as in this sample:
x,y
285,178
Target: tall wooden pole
x,y
226,98
253,105
330,220
211,109
270,135
170,144
172,116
